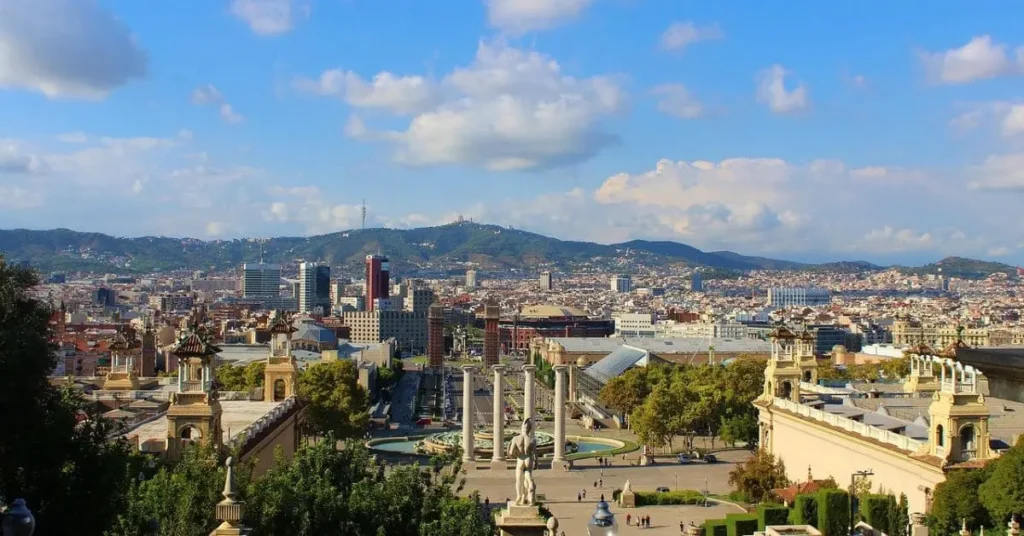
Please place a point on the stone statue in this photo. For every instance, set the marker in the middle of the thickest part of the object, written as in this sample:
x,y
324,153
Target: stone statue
x,y
524,449
626,488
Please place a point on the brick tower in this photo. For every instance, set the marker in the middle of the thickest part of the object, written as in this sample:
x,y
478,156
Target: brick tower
x,y
492,313
435,336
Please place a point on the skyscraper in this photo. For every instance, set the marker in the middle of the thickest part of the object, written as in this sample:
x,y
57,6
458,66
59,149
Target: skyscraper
x,y
261,280
314,288
470,279
546,281
697,282
378,280
622,283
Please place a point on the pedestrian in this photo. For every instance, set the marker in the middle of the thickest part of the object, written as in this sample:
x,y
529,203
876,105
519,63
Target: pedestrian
x,y
682,527
595,484
584,493
579,498
600,483
648,521
602,473
628,516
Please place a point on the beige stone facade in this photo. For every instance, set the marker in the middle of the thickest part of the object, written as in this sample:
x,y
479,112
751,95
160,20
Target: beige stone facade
x,y
407,328
908,333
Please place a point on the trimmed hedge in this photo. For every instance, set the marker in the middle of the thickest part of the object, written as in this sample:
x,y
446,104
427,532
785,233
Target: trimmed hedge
x,y
875,509
833,512
715,527
772,515
740,524
805,510
683,496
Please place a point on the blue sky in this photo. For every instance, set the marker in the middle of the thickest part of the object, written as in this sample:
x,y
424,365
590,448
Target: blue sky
x,y
807,130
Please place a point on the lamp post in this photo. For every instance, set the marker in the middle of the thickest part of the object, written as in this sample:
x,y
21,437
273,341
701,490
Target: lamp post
x,y
675,481
18,520
603,522
853,483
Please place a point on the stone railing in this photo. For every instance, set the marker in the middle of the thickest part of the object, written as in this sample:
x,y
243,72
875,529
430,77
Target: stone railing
x,y
901,441
255,431
821,389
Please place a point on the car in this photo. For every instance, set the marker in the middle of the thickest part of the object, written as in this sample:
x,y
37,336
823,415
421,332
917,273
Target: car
x,y
710,458
684,458
662,489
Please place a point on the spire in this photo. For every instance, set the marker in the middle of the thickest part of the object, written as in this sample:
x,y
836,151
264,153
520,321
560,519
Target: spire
x,y
810,478
229,510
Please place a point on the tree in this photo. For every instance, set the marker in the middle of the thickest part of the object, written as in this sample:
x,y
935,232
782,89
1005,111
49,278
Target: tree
x,y
230,377
650,419
1002,493
896,368
740,429
625,392
337,403
69,472
254,374
759,475
957,498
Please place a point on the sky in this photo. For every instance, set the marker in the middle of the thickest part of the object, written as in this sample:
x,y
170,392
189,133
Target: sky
x,y
805,130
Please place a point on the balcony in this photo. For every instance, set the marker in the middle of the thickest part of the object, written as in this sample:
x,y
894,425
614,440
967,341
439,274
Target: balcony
x,y
965,455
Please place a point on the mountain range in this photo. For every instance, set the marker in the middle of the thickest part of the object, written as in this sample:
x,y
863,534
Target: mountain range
x,y
428,248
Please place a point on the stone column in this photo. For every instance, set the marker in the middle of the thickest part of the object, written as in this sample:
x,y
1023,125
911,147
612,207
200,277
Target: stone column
x,y
498,456
467,413
528,396
559,410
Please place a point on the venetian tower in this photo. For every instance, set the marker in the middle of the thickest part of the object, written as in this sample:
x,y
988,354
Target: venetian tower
x,y
280,379
195,412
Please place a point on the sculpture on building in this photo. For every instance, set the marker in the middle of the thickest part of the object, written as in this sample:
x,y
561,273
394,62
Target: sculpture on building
x,y
524,449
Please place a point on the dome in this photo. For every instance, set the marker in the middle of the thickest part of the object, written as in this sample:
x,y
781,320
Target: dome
x,y
581,362
552,311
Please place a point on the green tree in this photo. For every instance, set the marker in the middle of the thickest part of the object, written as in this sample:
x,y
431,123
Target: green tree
x,y
1002,493
337,403
69,472
626,392
740,429
759,475
650,420
956,499
254,374
896,368
230,377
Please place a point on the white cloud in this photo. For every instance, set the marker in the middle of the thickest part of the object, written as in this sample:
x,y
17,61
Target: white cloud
x,y
520,16
510,109
209,94
1000,172
999,251
66,49
268,17
1013,122
73,137
307,206
888,239
680,35
771,89
979,59
17,198
676,100
15,160
397,94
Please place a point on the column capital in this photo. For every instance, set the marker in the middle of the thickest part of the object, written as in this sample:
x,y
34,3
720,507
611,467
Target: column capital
x,y
499,368
529,368
467,369
560,368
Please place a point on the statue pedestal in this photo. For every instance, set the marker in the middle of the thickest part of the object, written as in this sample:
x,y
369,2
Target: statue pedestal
x,y
560,465
521,521
627,499
499,465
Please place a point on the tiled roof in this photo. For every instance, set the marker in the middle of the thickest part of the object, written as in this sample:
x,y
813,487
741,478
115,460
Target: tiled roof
x,y
194,346
782,332
281,326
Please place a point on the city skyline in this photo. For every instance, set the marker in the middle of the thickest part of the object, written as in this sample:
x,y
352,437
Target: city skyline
x,y
804,133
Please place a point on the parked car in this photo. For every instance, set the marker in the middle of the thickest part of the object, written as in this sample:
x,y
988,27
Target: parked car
x,y
684,458
662,489
710,458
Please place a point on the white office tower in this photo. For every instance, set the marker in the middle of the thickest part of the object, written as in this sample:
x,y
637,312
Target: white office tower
x,y
471,279
546,281
261,280
314,288
622,283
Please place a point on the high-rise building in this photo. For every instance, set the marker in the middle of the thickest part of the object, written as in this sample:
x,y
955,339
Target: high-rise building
x,y
260,280
492,314
418,300
622,283
105,297
798,297
378,280
697,282
546,281
314,288
435,336
471,279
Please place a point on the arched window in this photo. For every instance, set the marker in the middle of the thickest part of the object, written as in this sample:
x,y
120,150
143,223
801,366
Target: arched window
x,y
940,436
279,390
190,433
967,443
787,389
807,376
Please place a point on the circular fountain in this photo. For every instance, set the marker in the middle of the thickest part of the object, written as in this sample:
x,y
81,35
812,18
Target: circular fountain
x,y
483,439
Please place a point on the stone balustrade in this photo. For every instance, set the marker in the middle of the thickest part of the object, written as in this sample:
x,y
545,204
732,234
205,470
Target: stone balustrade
x,y
900,441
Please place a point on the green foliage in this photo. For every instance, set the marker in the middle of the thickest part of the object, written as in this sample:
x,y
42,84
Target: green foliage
x,y
235,378
833,512
899,516
875,510
739,429
715,527
956,499
337,403
771,515
1002,494
683,496
740,524
759,475
805,510
71,476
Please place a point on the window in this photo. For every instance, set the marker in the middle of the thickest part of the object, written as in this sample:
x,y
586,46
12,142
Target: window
x,y
940,437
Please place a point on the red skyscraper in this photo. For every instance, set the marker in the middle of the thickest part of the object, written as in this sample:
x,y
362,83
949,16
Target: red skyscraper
x,y
492,313
435,336
378,280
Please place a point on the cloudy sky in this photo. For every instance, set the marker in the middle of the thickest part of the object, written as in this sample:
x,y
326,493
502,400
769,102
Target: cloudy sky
x,y
808,130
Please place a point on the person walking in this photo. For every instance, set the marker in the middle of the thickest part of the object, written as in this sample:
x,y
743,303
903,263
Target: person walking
x,y
579,498
628,516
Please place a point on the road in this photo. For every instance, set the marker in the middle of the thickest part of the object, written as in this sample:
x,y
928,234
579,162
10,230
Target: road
x,y
403,400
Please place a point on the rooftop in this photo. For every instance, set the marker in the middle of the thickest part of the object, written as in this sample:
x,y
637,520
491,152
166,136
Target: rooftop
x,y
237,416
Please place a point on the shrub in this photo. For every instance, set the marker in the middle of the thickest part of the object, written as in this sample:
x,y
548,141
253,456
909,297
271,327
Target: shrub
x,y
874,510
616,494
740,524
715,527
684,496
805,510
772,515
739,497
833,512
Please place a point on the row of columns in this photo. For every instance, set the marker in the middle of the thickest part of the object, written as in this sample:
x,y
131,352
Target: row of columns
x,y
498,450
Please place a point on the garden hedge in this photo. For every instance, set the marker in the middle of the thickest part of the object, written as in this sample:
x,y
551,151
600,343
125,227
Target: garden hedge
x,y
772,515
833,512
875,510
683,496
715,527
740,524
805,510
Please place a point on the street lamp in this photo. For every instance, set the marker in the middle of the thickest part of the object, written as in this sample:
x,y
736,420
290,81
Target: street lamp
x,y
675,480
853,483
18,520
603,522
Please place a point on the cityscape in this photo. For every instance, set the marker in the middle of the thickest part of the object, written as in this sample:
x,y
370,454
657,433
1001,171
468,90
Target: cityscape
x,y
239,328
